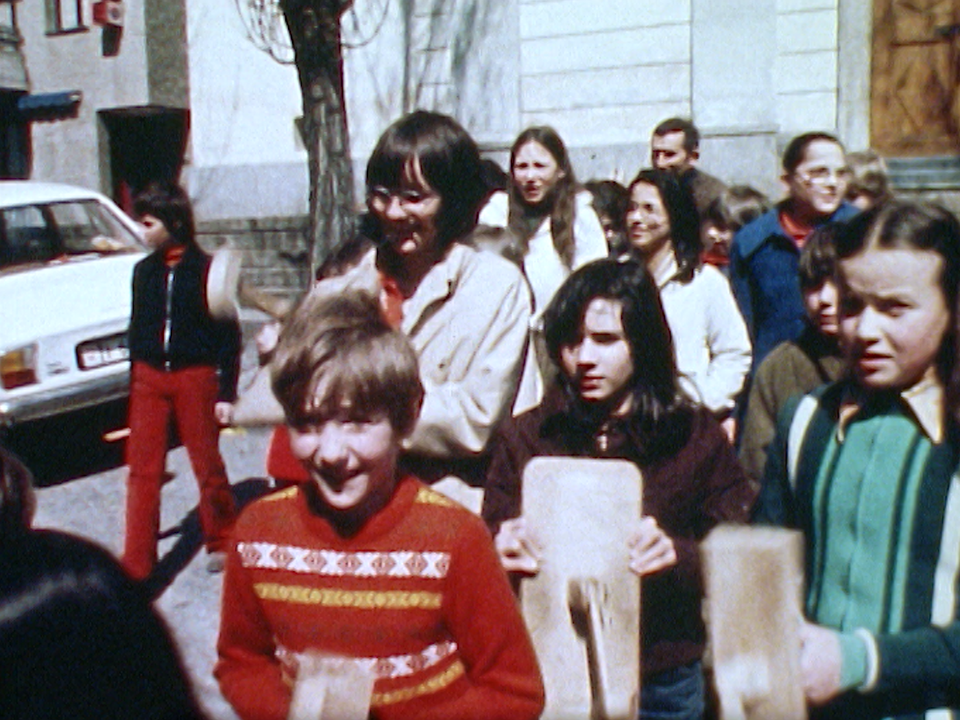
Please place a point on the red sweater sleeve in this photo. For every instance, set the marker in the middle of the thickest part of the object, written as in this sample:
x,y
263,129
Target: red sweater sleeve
x,y
503,676
249,674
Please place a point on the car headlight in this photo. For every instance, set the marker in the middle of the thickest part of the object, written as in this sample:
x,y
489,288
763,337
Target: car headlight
x,y
18,367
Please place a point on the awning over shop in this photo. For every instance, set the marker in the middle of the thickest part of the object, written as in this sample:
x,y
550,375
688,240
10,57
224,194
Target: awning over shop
x,y
49,106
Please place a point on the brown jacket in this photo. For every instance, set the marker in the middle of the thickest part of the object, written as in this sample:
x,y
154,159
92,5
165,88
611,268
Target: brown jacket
x,y
688,493
793,368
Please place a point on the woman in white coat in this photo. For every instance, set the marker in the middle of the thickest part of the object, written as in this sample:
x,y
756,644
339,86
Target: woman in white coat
x,y
553,223
709,334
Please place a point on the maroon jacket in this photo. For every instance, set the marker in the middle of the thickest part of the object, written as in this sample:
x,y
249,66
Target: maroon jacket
x,y
688,493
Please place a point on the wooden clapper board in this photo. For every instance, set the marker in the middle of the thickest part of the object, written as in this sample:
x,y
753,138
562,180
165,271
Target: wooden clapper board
x,y
583,607
753,587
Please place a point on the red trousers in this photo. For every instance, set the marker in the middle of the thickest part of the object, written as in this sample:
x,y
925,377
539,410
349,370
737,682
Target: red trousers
x,y
190,394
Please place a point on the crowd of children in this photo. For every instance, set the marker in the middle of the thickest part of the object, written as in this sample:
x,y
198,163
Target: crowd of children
x,y
793,364
645,356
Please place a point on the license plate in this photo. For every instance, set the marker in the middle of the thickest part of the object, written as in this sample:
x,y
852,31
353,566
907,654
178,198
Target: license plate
x,y
103,351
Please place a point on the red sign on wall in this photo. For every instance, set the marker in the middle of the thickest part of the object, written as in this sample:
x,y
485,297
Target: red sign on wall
x,y
108,12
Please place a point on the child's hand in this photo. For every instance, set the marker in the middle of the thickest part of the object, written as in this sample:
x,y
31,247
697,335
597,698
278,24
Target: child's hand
x,y
819,663
651,549
266,339
518,549
223,412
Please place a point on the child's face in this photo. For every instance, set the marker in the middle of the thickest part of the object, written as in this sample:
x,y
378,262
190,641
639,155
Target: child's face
x,y
155,233
716,238
535,172
822,305
600,361
353,461
893,315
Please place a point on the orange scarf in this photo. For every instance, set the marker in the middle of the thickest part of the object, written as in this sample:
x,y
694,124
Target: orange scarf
x,y
795,229
391,300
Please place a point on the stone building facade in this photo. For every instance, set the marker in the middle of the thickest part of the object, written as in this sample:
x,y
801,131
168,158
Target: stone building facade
x,y
188,90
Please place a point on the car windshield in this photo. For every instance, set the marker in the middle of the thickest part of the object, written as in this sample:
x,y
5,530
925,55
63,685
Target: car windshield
x,y
61,231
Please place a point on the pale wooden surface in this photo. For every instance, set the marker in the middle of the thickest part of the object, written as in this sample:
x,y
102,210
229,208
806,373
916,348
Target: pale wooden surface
x,y
329,688
753,583
581,511
223,280
914,98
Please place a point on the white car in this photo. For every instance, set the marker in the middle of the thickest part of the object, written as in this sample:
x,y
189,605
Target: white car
x,y
66,264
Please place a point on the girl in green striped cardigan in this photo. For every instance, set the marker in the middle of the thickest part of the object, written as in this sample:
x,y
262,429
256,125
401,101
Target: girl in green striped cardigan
x,y
867,468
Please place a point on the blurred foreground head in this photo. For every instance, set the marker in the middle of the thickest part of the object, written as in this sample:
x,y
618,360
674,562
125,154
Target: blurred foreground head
x,y
79,640
17,501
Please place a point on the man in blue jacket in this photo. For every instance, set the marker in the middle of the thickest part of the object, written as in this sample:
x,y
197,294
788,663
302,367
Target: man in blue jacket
x,y
765,252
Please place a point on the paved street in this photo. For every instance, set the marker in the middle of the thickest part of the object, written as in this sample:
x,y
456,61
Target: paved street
x,y
92,506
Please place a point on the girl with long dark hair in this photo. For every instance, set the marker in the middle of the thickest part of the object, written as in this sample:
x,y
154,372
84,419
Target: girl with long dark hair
x,y
618,396
710,337
552,219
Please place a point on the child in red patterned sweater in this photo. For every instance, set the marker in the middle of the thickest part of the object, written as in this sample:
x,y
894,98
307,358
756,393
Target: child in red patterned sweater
x,y
362,562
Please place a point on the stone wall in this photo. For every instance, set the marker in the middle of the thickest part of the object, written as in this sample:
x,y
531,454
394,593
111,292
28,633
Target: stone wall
x,y
275,256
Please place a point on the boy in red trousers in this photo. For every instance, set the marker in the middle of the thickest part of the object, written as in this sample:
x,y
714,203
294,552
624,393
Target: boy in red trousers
x,y
363,562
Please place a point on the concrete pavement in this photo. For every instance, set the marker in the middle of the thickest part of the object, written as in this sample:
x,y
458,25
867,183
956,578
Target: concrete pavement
x,y
188,596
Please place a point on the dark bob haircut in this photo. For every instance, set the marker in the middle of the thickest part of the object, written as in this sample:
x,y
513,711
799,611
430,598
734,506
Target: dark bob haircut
x,y
80,641
658,423
796,150
449,160
168,202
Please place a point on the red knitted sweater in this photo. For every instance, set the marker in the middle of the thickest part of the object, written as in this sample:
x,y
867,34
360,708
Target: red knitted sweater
x,y
418,593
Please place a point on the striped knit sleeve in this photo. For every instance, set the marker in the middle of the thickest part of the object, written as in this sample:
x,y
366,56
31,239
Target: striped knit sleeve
x,y
776,504
249,674
483,615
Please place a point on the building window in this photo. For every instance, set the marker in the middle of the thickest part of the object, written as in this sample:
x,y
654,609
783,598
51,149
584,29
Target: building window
x,y
8,17
64,16
8,23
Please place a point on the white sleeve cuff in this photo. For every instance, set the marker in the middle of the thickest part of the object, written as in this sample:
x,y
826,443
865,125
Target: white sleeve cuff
x,y
873,660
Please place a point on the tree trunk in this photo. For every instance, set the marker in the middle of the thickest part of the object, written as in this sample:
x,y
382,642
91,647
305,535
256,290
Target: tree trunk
x,y
314,27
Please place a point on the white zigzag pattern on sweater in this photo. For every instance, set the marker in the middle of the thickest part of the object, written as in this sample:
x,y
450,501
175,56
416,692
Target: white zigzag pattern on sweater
x,y
394,666
333,563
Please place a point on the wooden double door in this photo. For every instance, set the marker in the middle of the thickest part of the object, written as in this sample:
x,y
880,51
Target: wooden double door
x,y
915,96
